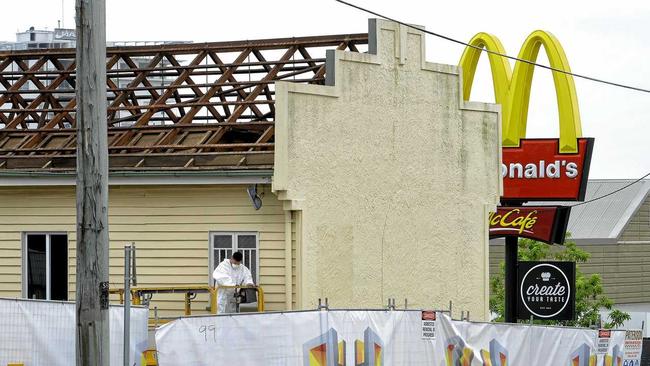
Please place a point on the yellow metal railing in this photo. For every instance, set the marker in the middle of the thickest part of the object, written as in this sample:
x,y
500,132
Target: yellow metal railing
x,y
142,295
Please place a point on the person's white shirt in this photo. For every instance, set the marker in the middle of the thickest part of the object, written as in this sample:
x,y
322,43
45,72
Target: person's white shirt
x,y
229,274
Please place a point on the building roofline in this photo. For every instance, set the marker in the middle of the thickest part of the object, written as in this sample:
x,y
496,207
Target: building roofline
x,y
630,212
180,48
45,178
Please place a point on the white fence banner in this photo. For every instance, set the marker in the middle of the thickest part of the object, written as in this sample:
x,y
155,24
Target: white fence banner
x,y
494,344
373,338
42,333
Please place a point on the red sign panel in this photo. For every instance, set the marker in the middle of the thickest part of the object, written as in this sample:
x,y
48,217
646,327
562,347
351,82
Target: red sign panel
x,y
547,223
536,171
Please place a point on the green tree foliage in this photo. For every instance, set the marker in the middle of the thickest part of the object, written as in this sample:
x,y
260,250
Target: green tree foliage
x,y
589,289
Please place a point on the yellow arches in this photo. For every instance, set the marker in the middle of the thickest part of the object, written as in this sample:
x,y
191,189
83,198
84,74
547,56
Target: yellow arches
x,y
512,89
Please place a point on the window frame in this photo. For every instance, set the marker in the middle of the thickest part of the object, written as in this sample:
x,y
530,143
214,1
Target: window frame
x,y
235,247
25,268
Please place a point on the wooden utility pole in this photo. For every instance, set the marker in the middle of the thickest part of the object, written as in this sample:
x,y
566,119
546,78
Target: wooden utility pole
x,y
92,336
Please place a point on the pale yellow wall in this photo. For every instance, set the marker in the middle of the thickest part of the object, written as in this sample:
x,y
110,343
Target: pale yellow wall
x,y
169,225
393,175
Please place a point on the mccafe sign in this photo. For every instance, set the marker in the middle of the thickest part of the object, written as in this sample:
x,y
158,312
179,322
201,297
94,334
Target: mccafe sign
x,y
546,290
543,223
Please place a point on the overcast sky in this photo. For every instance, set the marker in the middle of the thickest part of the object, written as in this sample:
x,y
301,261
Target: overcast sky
x,y
606,39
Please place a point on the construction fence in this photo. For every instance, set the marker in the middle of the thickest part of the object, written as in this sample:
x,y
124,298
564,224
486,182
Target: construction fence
x,y
38,332
380,338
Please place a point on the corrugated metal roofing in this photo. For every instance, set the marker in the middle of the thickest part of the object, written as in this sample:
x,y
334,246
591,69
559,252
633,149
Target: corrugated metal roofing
x,y
606,218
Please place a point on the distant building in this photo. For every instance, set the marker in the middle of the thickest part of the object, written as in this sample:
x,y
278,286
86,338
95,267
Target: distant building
x,y
34,38
39,39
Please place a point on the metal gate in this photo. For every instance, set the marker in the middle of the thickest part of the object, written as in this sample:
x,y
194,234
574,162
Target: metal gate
x,y
645,353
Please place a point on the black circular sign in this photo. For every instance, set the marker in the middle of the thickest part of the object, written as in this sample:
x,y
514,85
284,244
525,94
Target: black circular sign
x,y
545,290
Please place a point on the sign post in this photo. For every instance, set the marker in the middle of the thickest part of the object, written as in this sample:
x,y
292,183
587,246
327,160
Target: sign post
x,y
532,169
512,249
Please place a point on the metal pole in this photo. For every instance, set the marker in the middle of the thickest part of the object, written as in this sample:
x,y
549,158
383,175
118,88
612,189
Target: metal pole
x,y
127,304
511,280
134,267
92,330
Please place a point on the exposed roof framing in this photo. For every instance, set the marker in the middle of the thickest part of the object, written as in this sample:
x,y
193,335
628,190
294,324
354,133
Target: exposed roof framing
x,y
170,107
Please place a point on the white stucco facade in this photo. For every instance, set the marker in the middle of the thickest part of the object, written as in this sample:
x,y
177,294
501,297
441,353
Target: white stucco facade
x,y
391,176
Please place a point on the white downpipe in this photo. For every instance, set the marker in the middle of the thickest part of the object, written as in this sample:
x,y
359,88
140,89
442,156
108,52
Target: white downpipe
x,y
288,285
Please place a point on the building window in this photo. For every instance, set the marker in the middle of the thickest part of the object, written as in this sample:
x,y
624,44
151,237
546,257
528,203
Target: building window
x,y
223,244
45,266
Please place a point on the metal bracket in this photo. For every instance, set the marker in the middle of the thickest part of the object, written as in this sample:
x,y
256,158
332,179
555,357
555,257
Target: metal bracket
x,y
103,295
325,306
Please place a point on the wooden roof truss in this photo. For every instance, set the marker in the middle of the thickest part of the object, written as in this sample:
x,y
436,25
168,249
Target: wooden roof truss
x,y
170,107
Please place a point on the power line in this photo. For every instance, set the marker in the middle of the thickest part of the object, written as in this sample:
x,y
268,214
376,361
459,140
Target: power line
x,y
521,60
450,39
611,193
597,80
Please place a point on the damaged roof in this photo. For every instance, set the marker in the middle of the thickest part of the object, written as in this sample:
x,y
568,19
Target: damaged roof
x,y
171,107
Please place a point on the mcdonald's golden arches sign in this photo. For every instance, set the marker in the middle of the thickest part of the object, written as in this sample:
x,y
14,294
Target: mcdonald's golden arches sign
x,y
533,169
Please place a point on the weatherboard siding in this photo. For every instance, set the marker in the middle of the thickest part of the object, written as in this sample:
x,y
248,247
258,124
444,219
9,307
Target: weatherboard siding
x,y
170,226
638,229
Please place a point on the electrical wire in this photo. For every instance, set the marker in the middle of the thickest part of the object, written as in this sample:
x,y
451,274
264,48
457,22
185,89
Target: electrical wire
x,y
612,192
597,80
450,39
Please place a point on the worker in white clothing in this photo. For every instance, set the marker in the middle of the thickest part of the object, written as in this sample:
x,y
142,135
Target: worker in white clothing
x,y
230,272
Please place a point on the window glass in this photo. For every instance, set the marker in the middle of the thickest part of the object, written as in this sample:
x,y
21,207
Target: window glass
x,y
36,267
59,267
223,241
225,244
46,266
246,241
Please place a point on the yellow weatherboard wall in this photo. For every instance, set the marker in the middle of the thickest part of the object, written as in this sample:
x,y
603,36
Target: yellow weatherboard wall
x,y
393,175
170,226
512,90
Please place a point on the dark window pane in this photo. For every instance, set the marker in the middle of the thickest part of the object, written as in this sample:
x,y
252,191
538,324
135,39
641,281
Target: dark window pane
x,y
253,264
59,267
220,255
223,241
246,241
36,262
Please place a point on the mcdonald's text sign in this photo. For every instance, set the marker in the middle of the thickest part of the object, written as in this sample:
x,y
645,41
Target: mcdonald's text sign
x,y
536,170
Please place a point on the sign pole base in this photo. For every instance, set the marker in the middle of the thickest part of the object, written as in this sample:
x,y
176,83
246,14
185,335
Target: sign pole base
x,y
511,279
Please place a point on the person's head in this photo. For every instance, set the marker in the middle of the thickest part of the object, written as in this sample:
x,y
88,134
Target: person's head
x,y
236,259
